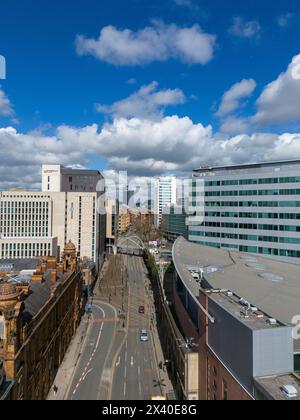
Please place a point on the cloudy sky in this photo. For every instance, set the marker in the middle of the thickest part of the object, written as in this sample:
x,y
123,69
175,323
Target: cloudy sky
x,y
153,88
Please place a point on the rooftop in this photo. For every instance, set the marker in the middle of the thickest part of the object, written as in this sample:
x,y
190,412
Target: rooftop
x,y
39,292
274,384
247,165
269,285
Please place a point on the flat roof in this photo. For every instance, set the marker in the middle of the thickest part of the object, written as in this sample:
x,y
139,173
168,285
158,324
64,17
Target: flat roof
x,y
270,285
247,165
274,384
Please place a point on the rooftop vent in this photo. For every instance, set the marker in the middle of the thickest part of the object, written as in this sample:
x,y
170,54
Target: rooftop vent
x,y
289,391
272,277
248,258
244,302
272,322
212,269
256,266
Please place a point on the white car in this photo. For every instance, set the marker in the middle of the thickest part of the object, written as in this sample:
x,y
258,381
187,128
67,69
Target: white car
x,y
2,373
144,336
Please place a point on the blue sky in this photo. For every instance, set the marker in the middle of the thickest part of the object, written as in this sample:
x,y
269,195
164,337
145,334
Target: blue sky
x,y
54,84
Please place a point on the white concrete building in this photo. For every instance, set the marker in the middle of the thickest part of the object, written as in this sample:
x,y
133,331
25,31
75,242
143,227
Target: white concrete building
x,y
40,224
165,195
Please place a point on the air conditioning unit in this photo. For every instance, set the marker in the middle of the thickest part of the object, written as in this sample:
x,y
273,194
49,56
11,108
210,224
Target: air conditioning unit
x,y
244,302
272,322
289,391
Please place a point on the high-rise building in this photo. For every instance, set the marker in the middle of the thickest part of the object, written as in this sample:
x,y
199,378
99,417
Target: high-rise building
x,y
112,221
165,195
251,208
41,224
174,223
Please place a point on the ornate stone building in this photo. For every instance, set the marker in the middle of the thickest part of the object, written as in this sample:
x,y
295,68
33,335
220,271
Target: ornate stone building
x,y
37,322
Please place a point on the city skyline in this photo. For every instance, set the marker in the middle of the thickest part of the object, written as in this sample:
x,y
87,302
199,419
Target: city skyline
x,y
171,110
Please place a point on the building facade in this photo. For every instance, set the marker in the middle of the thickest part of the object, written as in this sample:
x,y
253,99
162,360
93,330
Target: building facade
x,y
40,224
250,208
26,228
165,195
174,224
57,178
38,318
236,311
112,221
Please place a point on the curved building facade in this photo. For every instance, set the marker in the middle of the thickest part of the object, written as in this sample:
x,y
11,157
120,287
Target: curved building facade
x,y
237,309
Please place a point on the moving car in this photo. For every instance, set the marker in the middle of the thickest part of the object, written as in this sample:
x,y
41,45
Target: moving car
x,y
142,310
144,336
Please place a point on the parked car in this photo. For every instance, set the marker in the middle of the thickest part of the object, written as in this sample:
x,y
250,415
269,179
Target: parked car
x,y
144,336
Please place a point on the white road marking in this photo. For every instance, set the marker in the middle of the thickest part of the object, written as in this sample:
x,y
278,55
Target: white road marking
x,y
85,373
132,362
118,362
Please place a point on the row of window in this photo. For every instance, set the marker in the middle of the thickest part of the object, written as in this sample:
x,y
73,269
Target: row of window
x,y
252,226
288,204
255,238
253,249
246,193
248,215
260,181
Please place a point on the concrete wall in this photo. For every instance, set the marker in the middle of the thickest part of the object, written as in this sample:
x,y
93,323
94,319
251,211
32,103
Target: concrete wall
x,y
232,341
273,352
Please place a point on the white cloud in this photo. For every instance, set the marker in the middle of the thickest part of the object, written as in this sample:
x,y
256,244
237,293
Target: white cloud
x,y
280,100
231,100
147,102
184,3
245,29
143,147
234,125
285,19
6,108
159,42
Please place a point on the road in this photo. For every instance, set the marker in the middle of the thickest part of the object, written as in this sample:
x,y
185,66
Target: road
x,y
136,368
92,373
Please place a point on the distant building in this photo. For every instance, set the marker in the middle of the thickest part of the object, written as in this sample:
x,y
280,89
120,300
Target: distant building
x,y
236,311
112,221
40,224
57,178
174,222
165,195
39,315
251,208
124,219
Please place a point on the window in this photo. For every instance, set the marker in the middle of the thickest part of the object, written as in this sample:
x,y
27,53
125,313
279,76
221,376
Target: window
x,y
224,391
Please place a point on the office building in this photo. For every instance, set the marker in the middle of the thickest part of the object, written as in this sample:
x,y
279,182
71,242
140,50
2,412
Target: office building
x,y
41,224
251,208
165,195
236,311
57,178
174,222
112,222
26,228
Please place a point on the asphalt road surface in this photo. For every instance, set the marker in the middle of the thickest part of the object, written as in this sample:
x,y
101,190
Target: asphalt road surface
x,y
92,374
136,371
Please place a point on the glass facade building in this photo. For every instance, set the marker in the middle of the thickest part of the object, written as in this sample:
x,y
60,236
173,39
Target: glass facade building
x,y
251,208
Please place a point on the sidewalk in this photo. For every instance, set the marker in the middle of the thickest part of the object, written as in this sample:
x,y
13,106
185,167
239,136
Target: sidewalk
x,y
66,370
167,387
